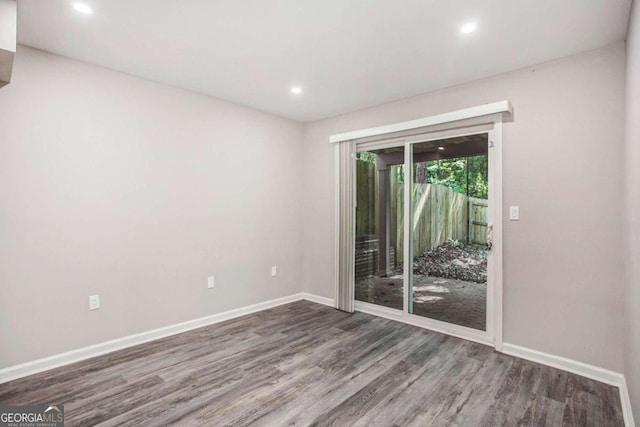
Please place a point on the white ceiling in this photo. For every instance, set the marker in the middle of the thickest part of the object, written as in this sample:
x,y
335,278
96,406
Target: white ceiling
x,y
345,54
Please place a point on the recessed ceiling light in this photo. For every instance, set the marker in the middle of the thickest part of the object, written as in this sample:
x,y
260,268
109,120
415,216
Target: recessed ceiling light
x,y
469,27
296,89
441,148
83,8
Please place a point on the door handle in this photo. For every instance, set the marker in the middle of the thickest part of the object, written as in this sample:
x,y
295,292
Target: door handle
x,y
489,235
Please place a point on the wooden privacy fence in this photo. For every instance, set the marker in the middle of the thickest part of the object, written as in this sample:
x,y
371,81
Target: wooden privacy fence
x,y
439,214
366,199
478,210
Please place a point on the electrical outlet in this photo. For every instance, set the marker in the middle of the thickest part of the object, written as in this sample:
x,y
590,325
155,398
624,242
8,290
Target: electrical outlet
x,y
94,302
211,282
274,271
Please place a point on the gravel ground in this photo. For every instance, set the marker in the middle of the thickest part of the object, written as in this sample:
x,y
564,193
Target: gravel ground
x,y
454,260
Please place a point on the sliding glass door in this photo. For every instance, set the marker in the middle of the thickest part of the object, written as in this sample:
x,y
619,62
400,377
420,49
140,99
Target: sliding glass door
x,y
449,203
422,231
379,227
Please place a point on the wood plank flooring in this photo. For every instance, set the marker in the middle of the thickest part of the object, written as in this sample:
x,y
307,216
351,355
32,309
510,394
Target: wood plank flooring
x,y
304,364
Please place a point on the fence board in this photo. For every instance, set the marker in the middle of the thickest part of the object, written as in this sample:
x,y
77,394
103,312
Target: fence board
x,y
366,198
478,220
439,214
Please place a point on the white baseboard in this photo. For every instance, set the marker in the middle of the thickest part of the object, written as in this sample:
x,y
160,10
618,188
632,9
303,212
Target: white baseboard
x,y
606,376
29,368
589,371
318,299
626,405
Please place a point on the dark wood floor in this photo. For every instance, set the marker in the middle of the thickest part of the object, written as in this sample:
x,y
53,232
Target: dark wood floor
x,y
306,364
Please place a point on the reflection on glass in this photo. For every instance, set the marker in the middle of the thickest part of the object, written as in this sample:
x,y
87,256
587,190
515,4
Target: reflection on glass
x,y
449,205
379,227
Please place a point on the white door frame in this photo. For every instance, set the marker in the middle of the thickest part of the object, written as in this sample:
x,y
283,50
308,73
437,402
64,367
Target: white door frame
x,y
492,305
483,119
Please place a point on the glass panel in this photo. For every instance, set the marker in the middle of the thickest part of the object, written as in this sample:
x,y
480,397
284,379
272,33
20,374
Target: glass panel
x,y
379,227
449,205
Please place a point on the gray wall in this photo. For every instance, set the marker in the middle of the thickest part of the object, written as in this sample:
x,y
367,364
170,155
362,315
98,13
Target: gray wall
x,y
563,278
136,191
632,209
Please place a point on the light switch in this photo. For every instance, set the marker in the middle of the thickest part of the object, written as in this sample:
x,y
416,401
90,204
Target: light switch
x,y
94,302
514,213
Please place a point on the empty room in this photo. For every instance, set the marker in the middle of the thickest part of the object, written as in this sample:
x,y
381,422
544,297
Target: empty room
x,y
319,213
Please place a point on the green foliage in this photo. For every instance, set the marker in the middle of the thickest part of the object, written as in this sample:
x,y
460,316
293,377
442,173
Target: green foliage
x,y
468,175
366,156
400,173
